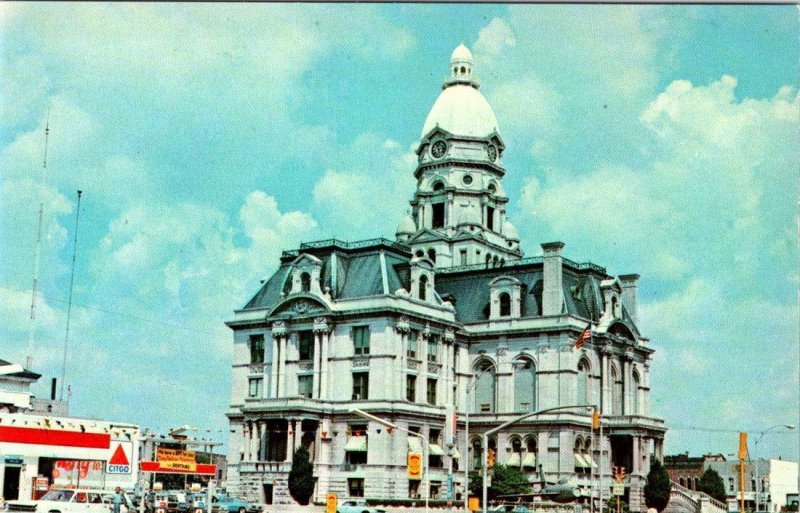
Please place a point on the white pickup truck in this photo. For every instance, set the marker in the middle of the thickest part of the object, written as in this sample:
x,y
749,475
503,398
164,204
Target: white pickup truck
x,y
77,500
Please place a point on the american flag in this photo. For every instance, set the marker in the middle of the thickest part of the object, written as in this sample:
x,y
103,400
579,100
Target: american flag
x,y
583,337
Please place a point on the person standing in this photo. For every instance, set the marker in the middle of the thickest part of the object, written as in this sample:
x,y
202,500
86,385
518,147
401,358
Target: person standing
x,y
117,500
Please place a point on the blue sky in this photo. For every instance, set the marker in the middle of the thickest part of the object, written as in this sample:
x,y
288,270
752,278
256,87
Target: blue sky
x,y
660,140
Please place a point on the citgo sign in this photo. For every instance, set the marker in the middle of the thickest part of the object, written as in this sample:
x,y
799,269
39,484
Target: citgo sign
x,y
414,465
120,461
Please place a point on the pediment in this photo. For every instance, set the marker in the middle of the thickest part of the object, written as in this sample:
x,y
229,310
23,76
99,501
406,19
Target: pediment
x,y
427,235
306,260
300,305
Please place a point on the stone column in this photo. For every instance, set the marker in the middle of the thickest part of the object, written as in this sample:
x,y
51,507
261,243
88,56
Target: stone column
x,y
627,373
449,364
273,368
298,434
402,330
317,367
605,353
325,377
322,329
261,442
291,433
254,441
279,331
422,372
246,439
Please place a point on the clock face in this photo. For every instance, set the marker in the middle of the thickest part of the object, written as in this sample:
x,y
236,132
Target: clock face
x,y
438,149
492,151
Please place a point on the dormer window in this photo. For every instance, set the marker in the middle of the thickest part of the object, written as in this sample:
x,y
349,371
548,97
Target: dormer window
x,y
305,275
505,298
305,282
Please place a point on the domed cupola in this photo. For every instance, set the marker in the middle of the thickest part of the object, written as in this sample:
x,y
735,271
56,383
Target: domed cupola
x,y
406,228
459,207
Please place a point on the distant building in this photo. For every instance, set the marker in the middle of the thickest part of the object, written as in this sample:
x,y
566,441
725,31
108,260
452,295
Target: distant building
x,y
15,392
776,480
687,470
447,317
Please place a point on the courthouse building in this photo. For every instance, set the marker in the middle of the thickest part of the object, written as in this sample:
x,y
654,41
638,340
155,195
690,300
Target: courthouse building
x,y
448,316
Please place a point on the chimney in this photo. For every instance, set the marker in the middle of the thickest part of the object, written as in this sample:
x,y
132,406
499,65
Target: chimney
x,y
628,282
53,389
552,289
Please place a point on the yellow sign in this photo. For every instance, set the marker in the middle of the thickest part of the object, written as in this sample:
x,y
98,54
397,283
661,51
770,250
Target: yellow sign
x,y
175,459
414,465
330,503
474,504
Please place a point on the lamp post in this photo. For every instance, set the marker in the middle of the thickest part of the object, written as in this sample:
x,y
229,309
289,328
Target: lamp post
x,y
467,460
485,440
755,449
390,425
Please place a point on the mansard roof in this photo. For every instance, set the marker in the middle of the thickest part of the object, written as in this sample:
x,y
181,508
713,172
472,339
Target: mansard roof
x,y
353,270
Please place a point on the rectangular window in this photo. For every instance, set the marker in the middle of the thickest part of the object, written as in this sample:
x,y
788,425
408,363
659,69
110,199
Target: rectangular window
x,y
413,344
438,215
355,486
413,489
490,218
431,391
361,340
306,345
256,349
463,254
304,386
411,388
360,386
255,387
433,345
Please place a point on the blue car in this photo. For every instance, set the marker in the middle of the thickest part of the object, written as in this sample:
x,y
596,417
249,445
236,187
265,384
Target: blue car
x,y
222,503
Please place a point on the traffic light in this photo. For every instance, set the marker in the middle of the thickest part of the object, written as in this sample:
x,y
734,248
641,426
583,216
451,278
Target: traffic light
x,y
490,456
622,474
596,420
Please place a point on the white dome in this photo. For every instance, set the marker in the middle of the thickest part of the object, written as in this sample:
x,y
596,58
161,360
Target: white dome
x,y
406,226
510,232
461,53
461,110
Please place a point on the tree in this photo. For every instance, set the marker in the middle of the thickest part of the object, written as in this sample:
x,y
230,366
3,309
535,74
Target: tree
x,y
712,484
658,487
505,481
301,477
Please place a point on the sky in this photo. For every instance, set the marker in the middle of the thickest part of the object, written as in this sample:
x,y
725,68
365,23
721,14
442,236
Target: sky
x,y
660,140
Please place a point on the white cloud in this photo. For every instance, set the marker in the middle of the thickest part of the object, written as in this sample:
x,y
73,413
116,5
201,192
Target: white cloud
x,y
495,37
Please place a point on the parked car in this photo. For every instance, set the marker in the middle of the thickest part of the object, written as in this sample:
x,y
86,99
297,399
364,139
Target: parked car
x,y
77,500
221,503
197,500
171,502
357,506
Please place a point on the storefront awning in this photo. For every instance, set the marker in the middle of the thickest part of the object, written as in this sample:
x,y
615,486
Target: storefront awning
x,y
580,462
356,444
589,460
456,454
514,460
529,460
435,450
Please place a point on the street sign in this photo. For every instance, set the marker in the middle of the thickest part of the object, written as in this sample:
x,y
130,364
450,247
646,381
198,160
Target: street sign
x,y
619,488
330,503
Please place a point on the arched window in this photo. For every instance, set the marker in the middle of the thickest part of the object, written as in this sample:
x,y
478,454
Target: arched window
x,y
635,394
505,304
432,255
583,382
463,70
614,307
682,481
524,385
305,282
529,460
419,253
438,186
423,287
496,261
492,188
488,260
484,387
617,392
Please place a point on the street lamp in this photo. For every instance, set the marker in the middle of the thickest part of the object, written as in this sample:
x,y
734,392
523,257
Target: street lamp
x,y
467,460
389,425
485,440
755,449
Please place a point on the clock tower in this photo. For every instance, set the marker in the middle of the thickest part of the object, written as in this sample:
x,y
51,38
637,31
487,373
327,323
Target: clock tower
x,y
458,214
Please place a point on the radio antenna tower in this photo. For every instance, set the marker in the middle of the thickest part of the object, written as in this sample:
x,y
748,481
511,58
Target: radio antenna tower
x,y
37,258
69,302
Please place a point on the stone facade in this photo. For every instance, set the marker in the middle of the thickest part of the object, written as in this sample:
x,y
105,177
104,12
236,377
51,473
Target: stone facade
x,y
447,321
